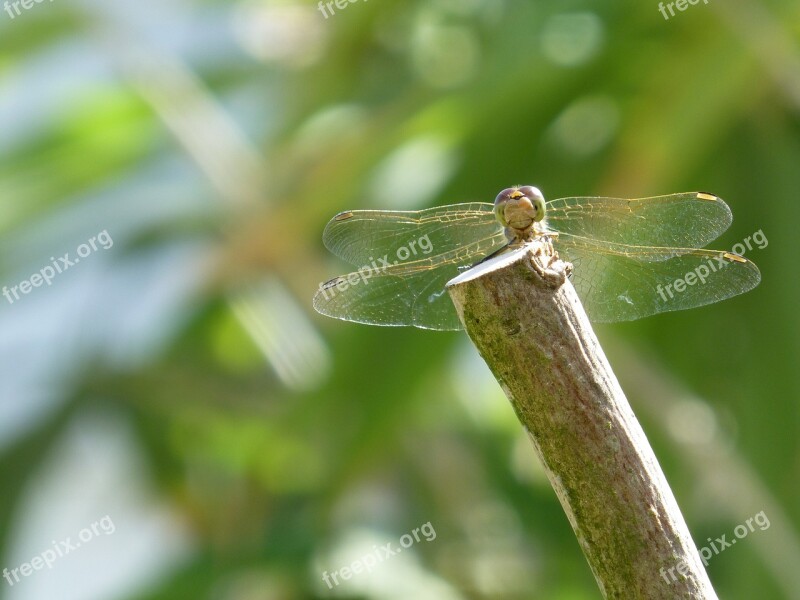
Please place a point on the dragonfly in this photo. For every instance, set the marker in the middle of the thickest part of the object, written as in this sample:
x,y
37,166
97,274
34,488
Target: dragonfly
x,y
631,258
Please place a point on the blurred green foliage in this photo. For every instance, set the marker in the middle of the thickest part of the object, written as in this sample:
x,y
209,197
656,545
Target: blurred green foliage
x,y
180,381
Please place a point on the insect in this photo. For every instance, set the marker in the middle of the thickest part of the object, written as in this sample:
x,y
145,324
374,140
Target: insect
x,y
631,258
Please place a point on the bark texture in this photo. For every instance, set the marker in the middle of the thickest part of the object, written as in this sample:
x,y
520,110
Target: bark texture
x,y
524,316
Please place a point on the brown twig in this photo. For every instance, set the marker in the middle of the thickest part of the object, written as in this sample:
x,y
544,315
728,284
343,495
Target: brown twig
x,y
526,320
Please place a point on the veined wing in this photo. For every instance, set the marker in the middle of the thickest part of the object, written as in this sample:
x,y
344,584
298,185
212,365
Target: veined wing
x,y
681,221
623,283
362,237
412,293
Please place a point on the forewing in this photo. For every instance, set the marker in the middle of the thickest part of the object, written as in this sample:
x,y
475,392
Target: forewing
x,y
634,282
682,221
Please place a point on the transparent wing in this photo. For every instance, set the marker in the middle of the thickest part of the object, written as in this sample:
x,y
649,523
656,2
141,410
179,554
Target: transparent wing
x,y
363,236
623,283
404,294
682,221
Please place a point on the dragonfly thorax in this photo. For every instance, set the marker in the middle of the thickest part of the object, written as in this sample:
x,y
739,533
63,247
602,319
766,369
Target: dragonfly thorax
x,y
517,209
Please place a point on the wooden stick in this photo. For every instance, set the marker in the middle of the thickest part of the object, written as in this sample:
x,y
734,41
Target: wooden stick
x,y
526,320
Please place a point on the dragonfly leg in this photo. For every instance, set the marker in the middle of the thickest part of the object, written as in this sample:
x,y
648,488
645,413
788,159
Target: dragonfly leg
x,y
553,253
546,262
500,250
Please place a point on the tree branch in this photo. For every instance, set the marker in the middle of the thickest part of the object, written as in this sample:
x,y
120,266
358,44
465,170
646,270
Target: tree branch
x,y
526,320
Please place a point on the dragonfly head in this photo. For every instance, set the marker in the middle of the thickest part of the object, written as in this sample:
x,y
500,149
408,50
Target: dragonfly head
x,y
518,208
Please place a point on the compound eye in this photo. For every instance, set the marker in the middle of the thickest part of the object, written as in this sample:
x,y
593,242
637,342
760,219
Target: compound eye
x,y
500,205
531,192
504,195
537,200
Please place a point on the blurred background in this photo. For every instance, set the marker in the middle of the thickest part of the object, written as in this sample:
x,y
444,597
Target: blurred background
x,y
178,382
